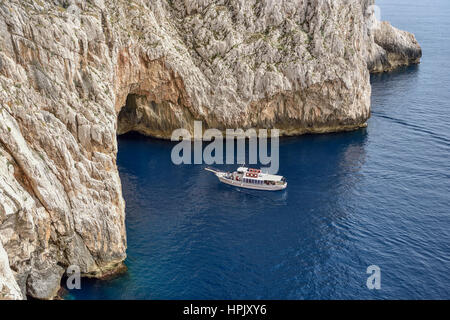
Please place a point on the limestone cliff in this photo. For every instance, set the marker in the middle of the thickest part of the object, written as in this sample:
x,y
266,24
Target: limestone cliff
x,y
74,73
388,47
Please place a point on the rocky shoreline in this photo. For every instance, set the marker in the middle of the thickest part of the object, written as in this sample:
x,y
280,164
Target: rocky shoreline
x,y
75,73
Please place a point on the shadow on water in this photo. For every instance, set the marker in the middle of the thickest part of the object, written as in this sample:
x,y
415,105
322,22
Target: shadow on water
x,y
392,78
399,97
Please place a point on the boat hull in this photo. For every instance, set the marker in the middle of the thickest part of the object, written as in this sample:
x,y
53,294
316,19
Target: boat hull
x,y
242,184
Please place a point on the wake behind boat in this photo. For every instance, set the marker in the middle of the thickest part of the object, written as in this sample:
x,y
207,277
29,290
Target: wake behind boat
x,y
251,179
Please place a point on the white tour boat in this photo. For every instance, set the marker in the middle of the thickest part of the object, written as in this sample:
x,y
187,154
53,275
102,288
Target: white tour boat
x,y
251,179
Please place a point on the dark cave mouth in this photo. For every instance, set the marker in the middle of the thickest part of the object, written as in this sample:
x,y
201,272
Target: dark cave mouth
x,y
128,117
155,119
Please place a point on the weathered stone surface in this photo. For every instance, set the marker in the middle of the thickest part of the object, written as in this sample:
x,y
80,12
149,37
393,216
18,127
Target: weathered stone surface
x,y
389,47
398,48
44,283
68,67
9,290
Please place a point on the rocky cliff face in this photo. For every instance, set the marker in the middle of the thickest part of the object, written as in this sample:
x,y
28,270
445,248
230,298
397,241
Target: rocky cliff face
x,y
388,47
74,73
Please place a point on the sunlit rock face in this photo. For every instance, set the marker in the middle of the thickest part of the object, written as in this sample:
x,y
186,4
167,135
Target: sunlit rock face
x,y
74,74
393,48
388,47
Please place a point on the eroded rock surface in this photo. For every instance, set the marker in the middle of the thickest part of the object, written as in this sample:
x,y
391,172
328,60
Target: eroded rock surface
x,y
396,48
68,67
389,47
9,289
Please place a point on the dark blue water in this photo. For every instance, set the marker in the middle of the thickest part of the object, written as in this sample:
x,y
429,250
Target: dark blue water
x,y
377,196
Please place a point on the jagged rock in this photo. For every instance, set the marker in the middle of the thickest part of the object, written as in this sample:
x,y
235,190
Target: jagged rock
x,y
74,73
396,48
9,290
44,283
389,47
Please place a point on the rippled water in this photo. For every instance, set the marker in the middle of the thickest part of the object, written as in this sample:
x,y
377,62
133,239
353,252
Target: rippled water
x,y
375,196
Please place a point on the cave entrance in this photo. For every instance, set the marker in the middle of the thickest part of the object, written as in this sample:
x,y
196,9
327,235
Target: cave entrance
x,y
131,114
154,119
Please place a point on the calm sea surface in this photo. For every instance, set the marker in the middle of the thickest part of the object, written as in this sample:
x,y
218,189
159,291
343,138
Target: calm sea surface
x,y
377,196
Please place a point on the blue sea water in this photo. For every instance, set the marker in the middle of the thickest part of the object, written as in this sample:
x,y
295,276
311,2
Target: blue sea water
x,y
377,196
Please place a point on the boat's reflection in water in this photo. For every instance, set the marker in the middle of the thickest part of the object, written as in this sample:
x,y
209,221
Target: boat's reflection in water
x,y
274,197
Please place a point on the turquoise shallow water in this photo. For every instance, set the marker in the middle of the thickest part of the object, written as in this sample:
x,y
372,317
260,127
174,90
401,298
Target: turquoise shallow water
x,y
375,196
